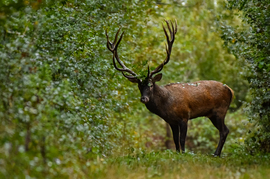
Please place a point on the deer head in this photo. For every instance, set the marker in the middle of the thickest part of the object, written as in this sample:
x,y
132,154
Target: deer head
x,y
146,85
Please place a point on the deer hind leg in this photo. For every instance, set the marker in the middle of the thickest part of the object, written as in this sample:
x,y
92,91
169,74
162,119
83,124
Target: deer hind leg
x,y
175,131
218,121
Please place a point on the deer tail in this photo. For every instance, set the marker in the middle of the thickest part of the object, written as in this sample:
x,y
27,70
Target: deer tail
x,y
231,91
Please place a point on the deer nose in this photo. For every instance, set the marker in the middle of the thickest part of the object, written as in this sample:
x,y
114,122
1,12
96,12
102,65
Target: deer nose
x,y
144,99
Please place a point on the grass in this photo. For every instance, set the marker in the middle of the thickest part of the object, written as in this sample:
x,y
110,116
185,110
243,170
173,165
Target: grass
x,y
129,162
147,164
235,162
169,164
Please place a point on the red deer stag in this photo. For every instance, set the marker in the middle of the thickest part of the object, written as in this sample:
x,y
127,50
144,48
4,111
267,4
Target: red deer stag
x,y
179,102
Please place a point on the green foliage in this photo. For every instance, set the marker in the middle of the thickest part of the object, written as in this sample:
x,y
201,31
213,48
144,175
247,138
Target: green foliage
x,y
64,109
251,42
60,97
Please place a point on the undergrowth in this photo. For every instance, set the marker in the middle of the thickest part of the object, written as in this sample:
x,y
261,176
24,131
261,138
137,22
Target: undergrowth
x,y
169,164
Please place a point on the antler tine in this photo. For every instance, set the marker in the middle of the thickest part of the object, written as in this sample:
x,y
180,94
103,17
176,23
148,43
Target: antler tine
x,y
124,68
113,48
116,35
128,76
109,44
166,34
175,26
170,39
168,24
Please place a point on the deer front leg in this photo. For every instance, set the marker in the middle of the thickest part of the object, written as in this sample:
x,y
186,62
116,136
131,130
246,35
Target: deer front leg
x,y
175,131
183,134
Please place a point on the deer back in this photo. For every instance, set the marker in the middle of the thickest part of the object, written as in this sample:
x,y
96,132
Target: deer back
x,y
179,101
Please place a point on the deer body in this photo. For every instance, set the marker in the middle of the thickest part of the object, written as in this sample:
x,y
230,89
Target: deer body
x,y
189,100
179,102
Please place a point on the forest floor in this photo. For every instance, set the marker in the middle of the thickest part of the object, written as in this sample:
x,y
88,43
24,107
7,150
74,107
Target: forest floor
x,y
169,164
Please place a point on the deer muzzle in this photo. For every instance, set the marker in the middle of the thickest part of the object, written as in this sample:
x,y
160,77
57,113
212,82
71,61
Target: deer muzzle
x,y
144,99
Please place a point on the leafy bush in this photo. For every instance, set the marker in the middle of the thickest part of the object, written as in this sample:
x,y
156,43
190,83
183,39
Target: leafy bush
x,y
251,42
59,95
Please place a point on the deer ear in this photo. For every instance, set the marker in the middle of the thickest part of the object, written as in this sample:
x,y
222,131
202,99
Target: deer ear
x,y
133,80
157,77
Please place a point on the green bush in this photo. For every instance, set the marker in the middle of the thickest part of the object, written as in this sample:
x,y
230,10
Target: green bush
x,y
251,42
60,97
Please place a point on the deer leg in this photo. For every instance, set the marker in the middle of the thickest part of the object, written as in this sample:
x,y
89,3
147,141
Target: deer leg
x,y
183,134
223,132
175,131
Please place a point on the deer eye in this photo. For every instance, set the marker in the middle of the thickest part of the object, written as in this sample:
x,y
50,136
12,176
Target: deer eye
x,y
150,84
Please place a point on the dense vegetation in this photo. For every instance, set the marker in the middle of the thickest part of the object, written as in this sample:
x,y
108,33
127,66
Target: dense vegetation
x,y
251,42
66,112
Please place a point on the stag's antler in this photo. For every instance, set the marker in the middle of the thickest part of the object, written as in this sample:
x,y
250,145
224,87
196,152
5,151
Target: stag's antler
x,y
113,48
172,31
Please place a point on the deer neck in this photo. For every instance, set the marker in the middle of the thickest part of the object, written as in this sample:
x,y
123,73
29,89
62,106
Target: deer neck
x,y
157,100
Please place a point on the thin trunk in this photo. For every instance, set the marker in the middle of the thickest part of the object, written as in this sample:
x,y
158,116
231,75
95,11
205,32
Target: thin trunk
x,y
27,137
43,149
